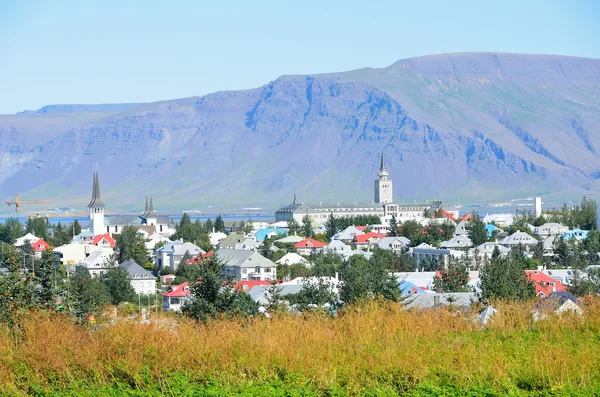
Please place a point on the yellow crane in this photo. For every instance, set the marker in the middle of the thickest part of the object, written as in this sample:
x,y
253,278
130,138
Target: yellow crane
x,y
18,202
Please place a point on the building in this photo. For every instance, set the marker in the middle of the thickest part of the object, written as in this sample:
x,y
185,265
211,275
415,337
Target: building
x,y
142,281
425,252
96,264
101,224
247,265
396,244
537,203
309,245
575,234
382,206
175,297
103,240
172,253
70,254
518,238
457,242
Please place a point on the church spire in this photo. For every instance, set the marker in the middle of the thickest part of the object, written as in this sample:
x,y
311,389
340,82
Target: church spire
x,y
96,202
382,166
294,197
145,208
150,209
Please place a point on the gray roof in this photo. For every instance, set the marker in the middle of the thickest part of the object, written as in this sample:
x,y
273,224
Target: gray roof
x,y
424,301
457,242
136,271
243,258
386,242
517,238
232,240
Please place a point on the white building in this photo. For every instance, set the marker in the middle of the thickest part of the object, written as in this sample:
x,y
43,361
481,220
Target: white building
x,y
247,265
176,297
383,185
396,244
425,252
518,238
70,254
171,254
142,281
96,264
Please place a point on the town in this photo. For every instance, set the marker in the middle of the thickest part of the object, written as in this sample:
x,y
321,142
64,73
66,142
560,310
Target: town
x,y
312,257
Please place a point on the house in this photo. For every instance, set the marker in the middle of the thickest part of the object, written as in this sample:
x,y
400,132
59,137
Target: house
x,y
231,241
249,284
396,244
337,247
549,229
434,300
519,238
96,264
85,237
171,254
167,278
425,252
199,258
175,297
70,254
268,232
575,234
380,229
28,238
292,259
461,229
557,303
367,240
408,288
544,284
486,250
103,240
348,234
216,237
290,239
501,220
153,239
308,246
142,281
457,242
465,218
247,244
247,265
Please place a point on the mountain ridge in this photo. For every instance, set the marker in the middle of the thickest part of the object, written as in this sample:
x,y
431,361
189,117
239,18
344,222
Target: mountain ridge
x,y
451,126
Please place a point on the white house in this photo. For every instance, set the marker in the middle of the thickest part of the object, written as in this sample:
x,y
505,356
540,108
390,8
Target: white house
x,y
142,281
501,220
70,254
97,263
292,259
247,265
457,242
175,297
171,254
396,244
216,237
425,252
28,238
247,244
348,234
549,229
518,238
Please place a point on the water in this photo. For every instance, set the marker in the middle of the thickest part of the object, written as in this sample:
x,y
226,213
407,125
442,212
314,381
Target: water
x,y
85,221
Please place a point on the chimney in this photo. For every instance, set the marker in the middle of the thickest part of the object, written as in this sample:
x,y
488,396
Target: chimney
x,y
436,299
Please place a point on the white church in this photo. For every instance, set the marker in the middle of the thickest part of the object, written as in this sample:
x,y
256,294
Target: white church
x,y
148,222
382,206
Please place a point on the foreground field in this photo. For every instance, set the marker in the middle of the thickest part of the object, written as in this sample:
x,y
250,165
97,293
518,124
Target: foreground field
x,y
368,350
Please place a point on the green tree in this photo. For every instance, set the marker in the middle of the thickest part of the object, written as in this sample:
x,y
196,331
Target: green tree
x,y
76,227
219,225
393,227
89,295
361,281
17,295
118,285
411,230
505,279
317,293
455,276
331,227
12,230
477,231
293,226
213,295
49,277
307,229
38,227
131,246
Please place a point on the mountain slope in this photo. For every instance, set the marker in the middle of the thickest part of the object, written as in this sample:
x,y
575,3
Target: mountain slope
x,y
474,126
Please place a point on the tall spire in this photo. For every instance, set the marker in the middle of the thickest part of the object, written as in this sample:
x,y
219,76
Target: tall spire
x,y
382,166
145,208
294,197
96,202
150,209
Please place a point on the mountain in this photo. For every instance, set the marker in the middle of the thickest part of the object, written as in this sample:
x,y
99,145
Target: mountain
x,y
474,126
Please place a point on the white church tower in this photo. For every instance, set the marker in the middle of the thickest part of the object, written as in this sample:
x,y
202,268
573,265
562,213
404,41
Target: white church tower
x,y
96,208
383,185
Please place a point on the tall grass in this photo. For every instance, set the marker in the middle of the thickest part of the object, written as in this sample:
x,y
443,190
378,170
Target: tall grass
x,y
365,346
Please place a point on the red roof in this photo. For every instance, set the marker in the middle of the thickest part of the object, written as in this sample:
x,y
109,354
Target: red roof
x,y
247,285
111,241
363,238
361,228
466,217
199,258
310,243
178,290
446,214
543,282
40,245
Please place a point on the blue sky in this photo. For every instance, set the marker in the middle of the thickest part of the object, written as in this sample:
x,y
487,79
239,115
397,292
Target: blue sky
x,y
141,51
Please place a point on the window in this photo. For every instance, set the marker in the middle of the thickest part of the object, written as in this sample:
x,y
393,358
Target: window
x,y
244,270
268,270
257,269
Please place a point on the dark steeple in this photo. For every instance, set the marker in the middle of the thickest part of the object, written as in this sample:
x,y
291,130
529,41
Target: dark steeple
x,y
382,166
96,202
150,212
294,197
145,208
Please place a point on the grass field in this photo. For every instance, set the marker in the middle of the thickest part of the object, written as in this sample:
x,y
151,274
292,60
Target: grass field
x,y
375,349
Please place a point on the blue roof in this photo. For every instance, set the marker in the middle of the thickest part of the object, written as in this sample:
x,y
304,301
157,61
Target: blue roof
x,y
409,288
261,234
490,229
577,234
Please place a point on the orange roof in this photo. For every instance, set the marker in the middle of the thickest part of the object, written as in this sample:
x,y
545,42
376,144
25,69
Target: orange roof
x,y
466,217
247,285
40,245
310,243
178,290
363,238
542,282
446,214
111,241
361,228
199,258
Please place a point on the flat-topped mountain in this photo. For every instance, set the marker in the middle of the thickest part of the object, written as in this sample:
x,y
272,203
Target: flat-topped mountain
x,y
474,126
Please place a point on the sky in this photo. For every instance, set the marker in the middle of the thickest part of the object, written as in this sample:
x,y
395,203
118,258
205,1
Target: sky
x,y
65,52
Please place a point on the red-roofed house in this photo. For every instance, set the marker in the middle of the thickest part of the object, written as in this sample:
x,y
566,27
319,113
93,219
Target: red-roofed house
x,y
466,217
40,246
247,285
446,214
544,284
306,246
104,240
199,258
175,297
367,239
361,228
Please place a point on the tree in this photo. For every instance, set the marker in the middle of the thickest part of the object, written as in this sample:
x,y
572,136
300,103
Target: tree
x,y
410,230
88,293
293,226
504,279
76,227
219,224
12,230
131,246
455,276
331,228
448,228
118,285
213,295
307,228
38,227
317,293
361,281
16,293
393,227
48,277
477,231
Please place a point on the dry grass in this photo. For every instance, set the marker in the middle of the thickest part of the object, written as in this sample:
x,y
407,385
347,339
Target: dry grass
x,y
364,346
